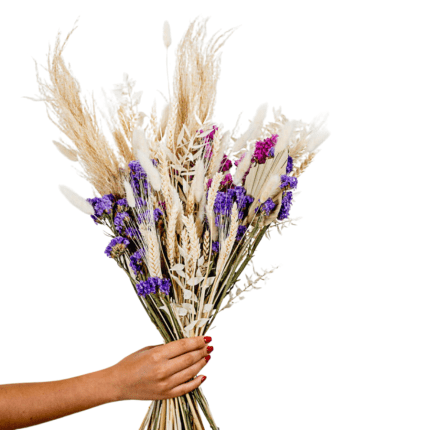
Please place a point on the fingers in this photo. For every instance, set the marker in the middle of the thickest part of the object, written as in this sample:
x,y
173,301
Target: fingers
x,y
185,388
182,346
184,361
188,373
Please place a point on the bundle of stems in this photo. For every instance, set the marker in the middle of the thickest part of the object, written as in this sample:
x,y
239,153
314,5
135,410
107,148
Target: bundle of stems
x,y
185,203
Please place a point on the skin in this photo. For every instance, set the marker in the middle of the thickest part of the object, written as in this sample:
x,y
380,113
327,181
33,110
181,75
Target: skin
x,y
152,373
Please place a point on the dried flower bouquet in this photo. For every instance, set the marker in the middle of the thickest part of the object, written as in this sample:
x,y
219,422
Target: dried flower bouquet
x,y
186,204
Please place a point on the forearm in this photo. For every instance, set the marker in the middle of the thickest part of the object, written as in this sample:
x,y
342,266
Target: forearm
x,y
24,405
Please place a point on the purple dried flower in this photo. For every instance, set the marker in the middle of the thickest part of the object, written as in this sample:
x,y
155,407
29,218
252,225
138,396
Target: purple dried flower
x,y
122,205
120,219
136,261
215,247
131,232
271,152
290,181
116,247
285,206
290,165
267,206
241,230
223,203
150,286
145,216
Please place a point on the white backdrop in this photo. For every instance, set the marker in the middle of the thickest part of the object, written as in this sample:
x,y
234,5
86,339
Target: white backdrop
x,y
339,336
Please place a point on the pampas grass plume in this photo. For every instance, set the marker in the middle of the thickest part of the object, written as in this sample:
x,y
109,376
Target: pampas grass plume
x,y
68,153
317,138
77,201
284,136
198,181
271,185
242,167
139,141
129,194
152,172
167,39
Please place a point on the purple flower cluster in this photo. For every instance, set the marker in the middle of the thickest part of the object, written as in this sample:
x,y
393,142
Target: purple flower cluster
x,y
215,247
131,232
102,206
290,164
120,220
116,247
290,181
224,201
122,205
241,230
262,148
285,206
151,284
266,207
136,261
137,174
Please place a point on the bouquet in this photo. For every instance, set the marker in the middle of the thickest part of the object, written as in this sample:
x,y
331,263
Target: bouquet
x,y
185,203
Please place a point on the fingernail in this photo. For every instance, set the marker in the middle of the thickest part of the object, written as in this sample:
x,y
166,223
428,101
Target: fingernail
x,y
207,339
209,349
203,378
207,358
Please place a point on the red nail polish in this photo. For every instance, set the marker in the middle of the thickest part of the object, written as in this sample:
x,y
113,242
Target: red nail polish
x,y
207,358
209,349
203,378
207,339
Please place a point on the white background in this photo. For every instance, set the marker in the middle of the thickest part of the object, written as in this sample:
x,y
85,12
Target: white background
x,y
339,337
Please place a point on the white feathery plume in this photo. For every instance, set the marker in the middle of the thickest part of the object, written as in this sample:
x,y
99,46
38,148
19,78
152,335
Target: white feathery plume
x,y
68,153
129,194
259,117
253,129
271,185
284,137
317,138
198,181
152,172
139,141
243,167
77,201
167,39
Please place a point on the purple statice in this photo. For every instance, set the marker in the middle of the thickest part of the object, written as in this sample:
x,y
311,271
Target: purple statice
x,y
271,152
215,247
290,165
225,165
243,201
223,203
150,286
262,148
285,206
137,174
131,232
116,247
241,230
136,261
237,162
266,207
102,205
122,205
288,181
120,219
157,214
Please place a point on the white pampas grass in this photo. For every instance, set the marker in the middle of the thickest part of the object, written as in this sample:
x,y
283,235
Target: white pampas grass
x,y
284,137
77,201
167,39
242,167
152,172
253,130
139,141
68,153
129,194
198,181
316,139
271,185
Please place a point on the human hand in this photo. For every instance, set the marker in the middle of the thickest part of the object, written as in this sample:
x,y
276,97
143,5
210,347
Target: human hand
x,y
161,371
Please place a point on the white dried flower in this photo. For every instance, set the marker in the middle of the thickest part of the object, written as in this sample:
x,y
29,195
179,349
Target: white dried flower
x,y
167,39
129,194
77,201
68,153
152,172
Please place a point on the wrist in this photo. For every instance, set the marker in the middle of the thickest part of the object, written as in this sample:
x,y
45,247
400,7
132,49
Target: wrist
x,y
108,385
